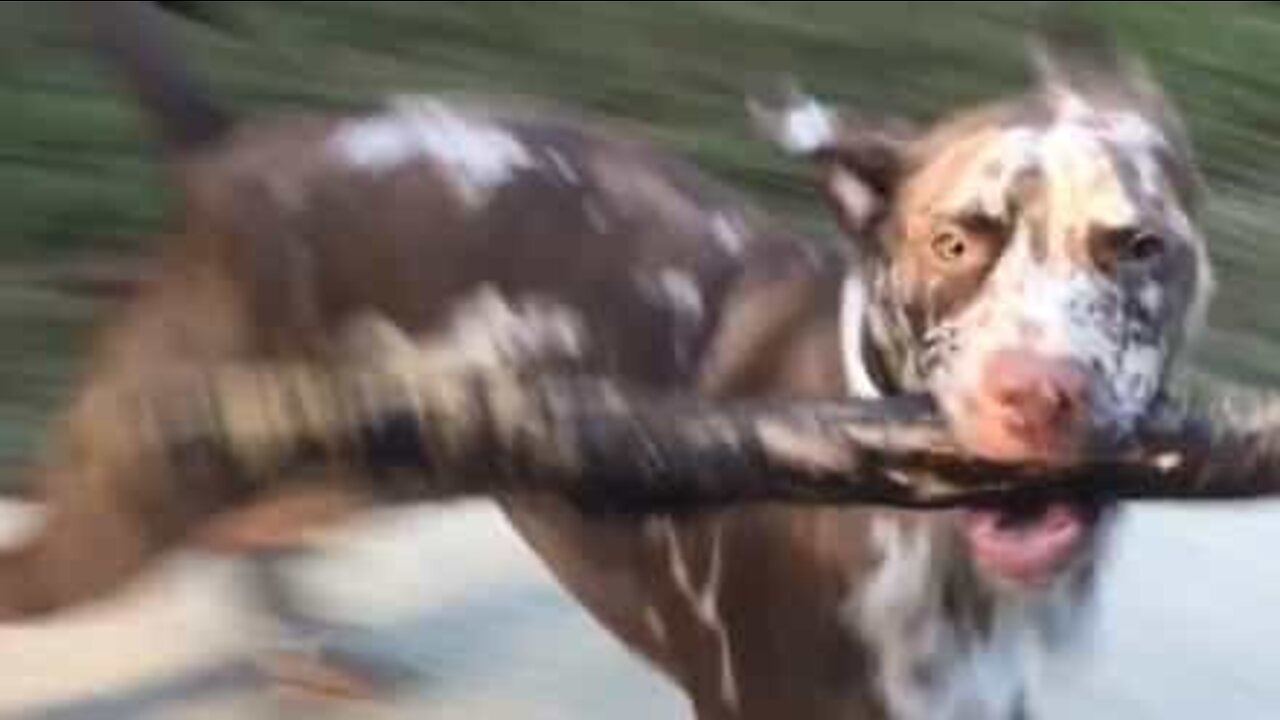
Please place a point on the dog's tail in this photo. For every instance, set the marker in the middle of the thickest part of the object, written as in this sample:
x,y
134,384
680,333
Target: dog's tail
x,y
133,37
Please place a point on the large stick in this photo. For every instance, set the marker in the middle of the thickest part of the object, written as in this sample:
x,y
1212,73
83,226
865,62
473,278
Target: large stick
x,y
480,432
434,425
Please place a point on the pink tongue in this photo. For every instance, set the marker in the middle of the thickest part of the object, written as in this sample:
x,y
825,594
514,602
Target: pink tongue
x,y
1029,552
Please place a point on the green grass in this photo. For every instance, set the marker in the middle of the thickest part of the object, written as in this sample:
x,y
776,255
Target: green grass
x,y
76,174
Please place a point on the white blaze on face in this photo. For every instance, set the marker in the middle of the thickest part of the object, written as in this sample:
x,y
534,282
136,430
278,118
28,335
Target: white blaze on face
x,y
1018,153
1083,185
478,156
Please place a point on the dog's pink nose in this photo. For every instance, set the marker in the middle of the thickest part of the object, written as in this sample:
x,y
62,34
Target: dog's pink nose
x,y
1032,406
1036,391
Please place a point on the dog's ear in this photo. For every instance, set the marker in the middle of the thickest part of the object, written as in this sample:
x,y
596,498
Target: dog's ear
x,y
1077,59
860,162
1074,55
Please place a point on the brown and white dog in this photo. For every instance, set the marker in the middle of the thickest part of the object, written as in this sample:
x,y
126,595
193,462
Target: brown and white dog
x,y
1033,265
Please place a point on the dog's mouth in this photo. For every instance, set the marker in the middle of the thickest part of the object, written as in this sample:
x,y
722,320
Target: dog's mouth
x,y
1029,545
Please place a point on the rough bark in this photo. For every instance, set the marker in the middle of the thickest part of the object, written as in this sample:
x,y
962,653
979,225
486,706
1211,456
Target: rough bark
x,y
434,425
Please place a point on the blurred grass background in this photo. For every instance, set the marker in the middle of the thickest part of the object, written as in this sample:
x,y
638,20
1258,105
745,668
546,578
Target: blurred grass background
x,y
77,176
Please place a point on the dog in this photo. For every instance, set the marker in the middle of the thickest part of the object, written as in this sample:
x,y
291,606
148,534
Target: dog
x,y
1033,264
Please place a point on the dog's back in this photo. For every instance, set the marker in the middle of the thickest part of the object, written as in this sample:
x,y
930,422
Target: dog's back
x,y
290,228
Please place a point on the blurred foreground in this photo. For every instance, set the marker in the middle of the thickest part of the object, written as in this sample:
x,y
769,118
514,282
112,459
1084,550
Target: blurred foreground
x,y
453,595
456,597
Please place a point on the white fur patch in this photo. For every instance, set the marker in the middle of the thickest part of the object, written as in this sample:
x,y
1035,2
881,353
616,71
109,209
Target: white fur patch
x,y
807,127
480,156
1127,129
1082,182
705,604
564,167
728,232
678,290
932,661
492,331
1018,150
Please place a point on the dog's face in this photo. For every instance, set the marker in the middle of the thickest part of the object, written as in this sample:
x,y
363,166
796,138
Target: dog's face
x,y
1033,265
1039,273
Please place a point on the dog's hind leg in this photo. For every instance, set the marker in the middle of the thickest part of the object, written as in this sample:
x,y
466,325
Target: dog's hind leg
x,y
108,510
111,511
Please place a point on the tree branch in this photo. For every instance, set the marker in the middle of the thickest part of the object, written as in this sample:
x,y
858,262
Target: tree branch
x,y
465,413
435,423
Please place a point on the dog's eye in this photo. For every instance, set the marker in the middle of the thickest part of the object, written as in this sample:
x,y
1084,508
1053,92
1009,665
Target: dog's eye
x,y
1143,247
1128,247
950,245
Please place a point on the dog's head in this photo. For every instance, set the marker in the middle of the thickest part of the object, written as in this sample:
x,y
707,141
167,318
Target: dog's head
x,y
1033,264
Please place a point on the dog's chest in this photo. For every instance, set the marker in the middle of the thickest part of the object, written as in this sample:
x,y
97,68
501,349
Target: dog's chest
x,y
938,654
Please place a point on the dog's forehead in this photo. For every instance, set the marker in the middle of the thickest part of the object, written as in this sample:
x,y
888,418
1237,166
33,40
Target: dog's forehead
x,y
1083,164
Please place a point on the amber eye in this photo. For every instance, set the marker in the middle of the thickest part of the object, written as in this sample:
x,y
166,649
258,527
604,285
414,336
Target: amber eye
x,y
950,245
